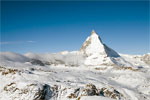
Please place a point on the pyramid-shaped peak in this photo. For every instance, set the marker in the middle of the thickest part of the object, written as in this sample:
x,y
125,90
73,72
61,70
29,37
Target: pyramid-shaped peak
x,y
93,32
93,45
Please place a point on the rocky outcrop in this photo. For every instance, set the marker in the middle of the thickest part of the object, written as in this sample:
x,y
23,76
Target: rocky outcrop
x,y
37,62
92,90
28,91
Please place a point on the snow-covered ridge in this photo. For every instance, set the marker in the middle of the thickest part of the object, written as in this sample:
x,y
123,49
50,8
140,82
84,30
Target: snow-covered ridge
x,y
10,56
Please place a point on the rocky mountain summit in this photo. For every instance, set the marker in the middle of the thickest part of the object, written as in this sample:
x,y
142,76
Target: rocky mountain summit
x,y
94,46
95,72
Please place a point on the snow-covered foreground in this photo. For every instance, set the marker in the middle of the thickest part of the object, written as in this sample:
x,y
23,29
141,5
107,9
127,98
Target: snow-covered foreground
x,y
96,72
21,79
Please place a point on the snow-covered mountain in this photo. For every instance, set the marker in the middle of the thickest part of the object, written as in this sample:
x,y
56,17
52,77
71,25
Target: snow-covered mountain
x,y
94,72
98,53
94,46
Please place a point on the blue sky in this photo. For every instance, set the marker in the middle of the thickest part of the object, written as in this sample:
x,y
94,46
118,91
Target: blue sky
x,y
40,27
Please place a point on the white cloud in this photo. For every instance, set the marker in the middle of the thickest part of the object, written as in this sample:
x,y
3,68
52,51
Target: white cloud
x,y
5,42
15,42
31,41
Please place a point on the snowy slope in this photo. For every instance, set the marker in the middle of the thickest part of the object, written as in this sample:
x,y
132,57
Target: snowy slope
x,y
95,72
9,56
95,98
27,81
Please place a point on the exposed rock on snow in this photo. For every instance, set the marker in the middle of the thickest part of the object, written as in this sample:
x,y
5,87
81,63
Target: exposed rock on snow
x,y
27,91
37,62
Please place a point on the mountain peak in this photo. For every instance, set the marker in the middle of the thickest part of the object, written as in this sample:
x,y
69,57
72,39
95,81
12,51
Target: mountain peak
x,y
94,46
93,32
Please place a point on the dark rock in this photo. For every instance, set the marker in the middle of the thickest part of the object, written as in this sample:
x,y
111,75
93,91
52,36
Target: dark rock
x,y
37,62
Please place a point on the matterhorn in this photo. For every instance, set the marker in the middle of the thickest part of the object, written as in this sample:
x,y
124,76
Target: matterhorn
x,y
94,46
98,53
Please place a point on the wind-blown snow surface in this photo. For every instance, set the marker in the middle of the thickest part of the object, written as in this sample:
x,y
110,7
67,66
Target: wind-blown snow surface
x,y
64,76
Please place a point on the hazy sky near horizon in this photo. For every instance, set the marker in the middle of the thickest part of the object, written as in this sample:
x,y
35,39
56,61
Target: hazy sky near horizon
x,y
47,26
